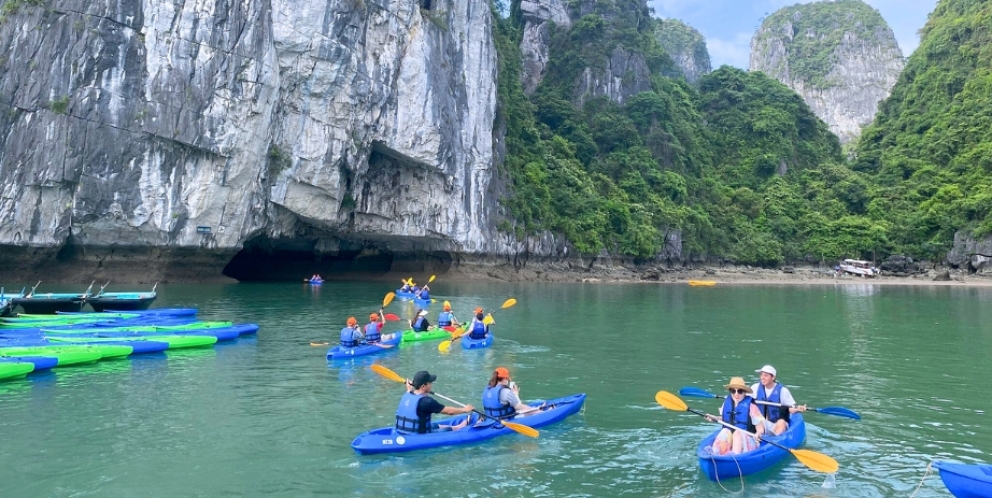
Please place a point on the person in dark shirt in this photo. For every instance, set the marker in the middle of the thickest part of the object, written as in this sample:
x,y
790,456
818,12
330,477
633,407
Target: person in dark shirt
x,y
413,416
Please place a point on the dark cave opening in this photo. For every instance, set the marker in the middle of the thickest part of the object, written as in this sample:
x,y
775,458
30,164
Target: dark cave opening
x,y
267,260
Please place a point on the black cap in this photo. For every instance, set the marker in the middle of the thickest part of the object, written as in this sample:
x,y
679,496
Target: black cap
x,y
422,377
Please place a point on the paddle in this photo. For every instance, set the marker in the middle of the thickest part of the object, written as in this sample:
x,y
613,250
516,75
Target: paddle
x,y
513,426
838,411
812,459
446,345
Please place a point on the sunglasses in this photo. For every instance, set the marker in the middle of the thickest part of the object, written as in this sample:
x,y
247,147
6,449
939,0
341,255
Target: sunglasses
x,y
737,391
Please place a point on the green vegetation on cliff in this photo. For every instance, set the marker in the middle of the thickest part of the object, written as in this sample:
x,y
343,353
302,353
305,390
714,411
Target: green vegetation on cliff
x,y
677,37
930,147
812,32
741,167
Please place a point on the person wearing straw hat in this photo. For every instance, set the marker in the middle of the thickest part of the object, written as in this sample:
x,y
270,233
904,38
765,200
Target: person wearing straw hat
x,y
738,411
420,324
774,419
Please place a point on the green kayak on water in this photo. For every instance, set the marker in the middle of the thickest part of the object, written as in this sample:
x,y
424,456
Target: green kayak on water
x,y
430,335
105,351
65,358
15,369
174,341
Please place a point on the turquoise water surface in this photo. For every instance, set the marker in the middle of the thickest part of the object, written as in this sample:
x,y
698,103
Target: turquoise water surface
x,y
268,416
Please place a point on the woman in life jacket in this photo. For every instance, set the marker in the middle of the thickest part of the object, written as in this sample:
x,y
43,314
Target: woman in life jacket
x,y
738,411
373,330
420,323
501,398
478,330
446,318
351,336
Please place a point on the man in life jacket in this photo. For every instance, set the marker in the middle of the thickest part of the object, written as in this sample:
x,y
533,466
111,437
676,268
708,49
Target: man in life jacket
x,y
446,318
413,416
351,336
373,330
775,418
420,323
501,398
478,330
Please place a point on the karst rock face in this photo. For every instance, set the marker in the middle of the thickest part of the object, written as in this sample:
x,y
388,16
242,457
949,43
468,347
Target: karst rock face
x,y
686,46
839,55
179,128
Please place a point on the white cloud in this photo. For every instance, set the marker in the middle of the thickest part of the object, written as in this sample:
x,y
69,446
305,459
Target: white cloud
x,y
734,52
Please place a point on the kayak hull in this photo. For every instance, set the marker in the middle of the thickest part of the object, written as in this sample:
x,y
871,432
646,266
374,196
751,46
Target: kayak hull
x,y
766,455
387,440
340,353
405,296
966,481
422,303
11,370
430,335
469,343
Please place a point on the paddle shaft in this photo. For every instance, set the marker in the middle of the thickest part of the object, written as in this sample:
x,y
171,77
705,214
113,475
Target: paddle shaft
x,y
838,411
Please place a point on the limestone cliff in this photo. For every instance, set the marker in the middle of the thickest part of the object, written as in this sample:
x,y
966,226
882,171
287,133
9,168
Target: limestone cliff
x,y
839,55
685,46
538,16
163,130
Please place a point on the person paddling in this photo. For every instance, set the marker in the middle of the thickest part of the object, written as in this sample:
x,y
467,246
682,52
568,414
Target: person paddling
x,y
775,419
373,330
737,410
425,293
420,324
501,398
413,416
351,336
478,330
446,318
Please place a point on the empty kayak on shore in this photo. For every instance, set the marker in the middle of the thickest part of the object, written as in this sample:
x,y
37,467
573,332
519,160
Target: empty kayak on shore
x,y
766,455
342,353
388,440
966,481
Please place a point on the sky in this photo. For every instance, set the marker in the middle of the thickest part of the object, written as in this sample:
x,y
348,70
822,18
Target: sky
x,y
729,24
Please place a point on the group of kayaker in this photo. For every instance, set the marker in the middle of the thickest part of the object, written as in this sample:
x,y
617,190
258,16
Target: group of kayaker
x,y
745,409
500,400
353,336
418,292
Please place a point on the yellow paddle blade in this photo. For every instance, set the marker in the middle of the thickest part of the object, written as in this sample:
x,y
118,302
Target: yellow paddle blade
x,y
444,346
319,344
670,401
521,429
508,303
488,320
388,299
431,279
387,373
816,461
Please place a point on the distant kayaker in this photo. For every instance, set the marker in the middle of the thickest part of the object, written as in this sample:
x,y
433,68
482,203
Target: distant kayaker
x,y
413,416
446,318
424,293
501,398
406,287
373,330
420,324
775,419
351,336
737,410
415,289
478,330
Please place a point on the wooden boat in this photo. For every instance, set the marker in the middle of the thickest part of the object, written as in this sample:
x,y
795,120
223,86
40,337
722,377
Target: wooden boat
x,y
859,267
122,301
702,283
50,303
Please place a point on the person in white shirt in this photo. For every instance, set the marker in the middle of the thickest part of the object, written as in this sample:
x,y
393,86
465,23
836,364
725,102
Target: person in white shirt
x,y
774,418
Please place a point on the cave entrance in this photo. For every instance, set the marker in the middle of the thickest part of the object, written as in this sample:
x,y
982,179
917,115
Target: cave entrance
x,y
267,260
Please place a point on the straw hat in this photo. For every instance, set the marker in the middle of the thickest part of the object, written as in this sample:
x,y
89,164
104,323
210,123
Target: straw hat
x,y
738,383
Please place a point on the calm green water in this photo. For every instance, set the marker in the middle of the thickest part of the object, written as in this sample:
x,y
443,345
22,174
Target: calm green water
x,y
269,417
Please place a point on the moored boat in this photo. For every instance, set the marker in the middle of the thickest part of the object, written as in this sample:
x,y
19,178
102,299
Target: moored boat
x,y
10,370
388,440
6,304
342,353
966,481
122,301
733,466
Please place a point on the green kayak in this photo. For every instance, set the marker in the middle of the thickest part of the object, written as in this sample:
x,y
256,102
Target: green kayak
x,y
64,358
175,341
104,350
15,369
430,335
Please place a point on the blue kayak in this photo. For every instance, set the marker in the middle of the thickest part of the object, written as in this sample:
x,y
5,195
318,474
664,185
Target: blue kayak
x,y
387,440
421,303
404,296
966,481
40,362
733,466
469,343
342,353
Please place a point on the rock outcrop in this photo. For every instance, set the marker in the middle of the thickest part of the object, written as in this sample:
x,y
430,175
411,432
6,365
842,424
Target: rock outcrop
x,y
839,55
169,129
686,46
975,255
538,17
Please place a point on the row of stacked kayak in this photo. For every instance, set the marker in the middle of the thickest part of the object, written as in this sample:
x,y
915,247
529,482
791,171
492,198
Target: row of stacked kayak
x,y
31,343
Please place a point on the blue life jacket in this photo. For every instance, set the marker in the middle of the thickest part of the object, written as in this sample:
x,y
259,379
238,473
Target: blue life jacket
x,y
491,403
478,331
444,319
772,413
405,288
407,420
738,416
372,333
425,294
419,326
414,289
348,338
